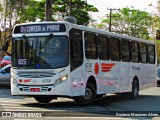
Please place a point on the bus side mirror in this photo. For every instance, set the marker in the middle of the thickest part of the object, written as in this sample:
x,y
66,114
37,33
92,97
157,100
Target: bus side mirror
x,y
7,45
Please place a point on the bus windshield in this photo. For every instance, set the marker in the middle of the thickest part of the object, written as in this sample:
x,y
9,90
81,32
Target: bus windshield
x,y
40,52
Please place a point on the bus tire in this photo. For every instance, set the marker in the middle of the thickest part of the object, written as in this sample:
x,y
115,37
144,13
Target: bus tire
x,y
99,96
89,97
135,89
43,99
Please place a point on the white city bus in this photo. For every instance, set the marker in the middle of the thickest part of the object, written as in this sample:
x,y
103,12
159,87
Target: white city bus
x,y
61,59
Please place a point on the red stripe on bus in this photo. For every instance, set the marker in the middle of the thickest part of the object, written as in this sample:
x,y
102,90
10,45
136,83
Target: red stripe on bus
x,y
106,67
105,70
107,64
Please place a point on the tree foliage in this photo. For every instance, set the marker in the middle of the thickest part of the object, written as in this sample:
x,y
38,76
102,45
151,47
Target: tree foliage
x,y
9,14
131,22
156,26
36,10
79,10
12,8
15,7
19,11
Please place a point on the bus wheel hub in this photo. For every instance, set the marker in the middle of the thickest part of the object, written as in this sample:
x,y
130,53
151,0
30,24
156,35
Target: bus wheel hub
x,y
88,94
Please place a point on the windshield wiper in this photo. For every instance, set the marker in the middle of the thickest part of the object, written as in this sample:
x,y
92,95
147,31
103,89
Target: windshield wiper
x,y
48,39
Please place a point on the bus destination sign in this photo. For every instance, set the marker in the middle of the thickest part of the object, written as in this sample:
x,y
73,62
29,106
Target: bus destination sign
x,y
39,28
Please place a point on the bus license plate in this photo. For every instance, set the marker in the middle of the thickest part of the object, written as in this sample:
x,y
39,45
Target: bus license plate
x,y
34,89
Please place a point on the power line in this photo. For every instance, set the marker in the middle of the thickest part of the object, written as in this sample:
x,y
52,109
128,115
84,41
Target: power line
x,y
102,4
99,6
106,4
111,4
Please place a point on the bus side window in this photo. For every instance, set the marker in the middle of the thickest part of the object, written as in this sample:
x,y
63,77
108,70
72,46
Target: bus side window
x,y
151,54
114,49
143,53
135,51
103,48
125,50
76,48
90,45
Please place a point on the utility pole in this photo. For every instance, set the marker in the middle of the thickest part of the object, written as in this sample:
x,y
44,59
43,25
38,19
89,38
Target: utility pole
x,y
110,17
70,8
5,19
48,10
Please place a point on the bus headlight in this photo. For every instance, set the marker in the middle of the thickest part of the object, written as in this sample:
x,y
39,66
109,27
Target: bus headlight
x,y
61,79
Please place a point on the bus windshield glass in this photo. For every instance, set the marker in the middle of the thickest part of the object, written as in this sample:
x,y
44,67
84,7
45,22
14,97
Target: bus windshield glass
x,y
48,52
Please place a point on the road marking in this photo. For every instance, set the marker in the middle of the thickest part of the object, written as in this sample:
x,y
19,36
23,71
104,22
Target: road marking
x,y
20,107
15,102
10,104
80,109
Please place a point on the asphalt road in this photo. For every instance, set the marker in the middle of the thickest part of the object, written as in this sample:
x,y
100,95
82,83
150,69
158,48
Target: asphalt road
x,y
109,107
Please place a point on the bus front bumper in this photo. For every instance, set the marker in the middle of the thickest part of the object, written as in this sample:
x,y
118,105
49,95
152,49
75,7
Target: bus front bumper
x,y
40,90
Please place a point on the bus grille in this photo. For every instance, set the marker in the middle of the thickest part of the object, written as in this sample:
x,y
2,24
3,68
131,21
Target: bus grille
x,y
42,89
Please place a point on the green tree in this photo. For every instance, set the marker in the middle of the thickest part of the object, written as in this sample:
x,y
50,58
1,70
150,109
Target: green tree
x,y
132,22
10,11
14,7
36,10
1,10
79,10
156,26
9,14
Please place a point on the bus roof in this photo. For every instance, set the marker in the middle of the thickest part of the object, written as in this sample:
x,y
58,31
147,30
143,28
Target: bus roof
x,y
86,28
103,32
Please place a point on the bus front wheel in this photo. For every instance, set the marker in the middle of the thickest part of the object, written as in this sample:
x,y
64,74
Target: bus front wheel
x,y
89,97
43,99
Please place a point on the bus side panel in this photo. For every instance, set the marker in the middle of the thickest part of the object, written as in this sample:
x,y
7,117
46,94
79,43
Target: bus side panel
x,y
148,76
92,68
77,82
115,76
145,74
124,77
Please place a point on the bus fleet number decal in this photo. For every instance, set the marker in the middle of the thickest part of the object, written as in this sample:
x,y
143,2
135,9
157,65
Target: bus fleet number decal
x,y
88,67
46,80
21,61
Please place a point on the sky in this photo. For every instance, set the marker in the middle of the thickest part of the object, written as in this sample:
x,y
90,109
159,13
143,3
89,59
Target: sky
x,y
102,5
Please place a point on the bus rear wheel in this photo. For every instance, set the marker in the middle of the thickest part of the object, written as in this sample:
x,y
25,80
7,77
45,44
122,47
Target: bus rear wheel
x,y
43,99
135,89
134,93
89,97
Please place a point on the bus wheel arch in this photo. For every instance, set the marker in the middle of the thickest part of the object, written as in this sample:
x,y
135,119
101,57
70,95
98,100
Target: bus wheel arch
x,y
92,80
90,92
135,88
